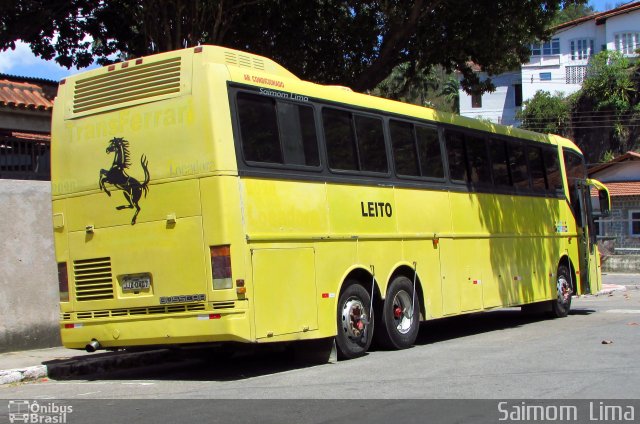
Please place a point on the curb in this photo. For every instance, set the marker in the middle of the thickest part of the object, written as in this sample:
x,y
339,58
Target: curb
x,y
19,375
85,365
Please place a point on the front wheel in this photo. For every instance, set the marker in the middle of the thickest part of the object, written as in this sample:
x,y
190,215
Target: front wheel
x,y
564,290
355,322
400,318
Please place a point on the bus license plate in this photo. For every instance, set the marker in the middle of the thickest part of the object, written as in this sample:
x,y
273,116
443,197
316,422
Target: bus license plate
x,y
136,283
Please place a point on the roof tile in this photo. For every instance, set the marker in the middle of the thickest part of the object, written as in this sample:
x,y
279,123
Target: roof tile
x,y
25,95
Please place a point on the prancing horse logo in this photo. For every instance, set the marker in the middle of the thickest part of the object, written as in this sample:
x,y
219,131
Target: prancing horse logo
x,y
117,175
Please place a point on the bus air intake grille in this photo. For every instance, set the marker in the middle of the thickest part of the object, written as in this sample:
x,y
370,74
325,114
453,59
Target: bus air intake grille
x,y
152,310
132,84
223,305
65,317
243,61
93,279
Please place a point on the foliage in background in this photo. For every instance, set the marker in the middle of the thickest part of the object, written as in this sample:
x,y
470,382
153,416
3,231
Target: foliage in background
x,y
546,113
603,117
571,12
345,42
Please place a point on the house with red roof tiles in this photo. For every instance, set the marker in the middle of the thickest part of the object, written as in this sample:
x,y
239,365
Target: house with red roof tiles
x,y
621,231
25,127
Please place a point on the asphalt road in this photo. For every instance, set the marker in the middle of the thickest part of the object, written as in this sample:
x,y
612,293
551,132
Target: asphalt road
x,y
499,354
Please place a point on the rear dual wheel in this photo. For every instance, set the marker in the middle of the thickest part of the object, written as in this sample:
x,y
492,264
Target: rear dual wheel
x,y
400,317
564,290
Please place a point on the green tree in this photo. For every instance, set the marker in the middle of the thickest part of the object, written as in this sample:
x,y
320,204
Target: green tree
x,y
607,108
353,43
546,113
571,12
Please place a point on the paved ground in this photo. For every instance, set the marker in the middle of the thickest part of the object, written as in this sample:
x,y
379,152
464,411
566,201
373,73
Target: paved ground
x,y
499,354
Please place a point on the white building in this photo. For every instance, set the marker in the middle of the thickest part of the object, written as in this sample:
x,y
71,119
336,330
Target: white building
x,y
558,65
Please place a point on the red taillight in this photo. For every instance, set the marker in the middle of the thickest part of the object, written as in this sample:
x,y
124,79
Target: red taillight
x,y
221,267
63,282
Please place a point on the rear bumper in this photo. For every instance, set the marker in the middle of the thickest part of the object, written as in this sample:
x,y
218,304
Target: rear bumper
x,y
200,327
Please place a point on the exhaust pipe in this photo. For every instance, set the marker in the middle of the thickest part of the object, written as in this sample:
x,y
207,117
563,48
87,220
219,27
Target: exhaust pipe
x,y
92,346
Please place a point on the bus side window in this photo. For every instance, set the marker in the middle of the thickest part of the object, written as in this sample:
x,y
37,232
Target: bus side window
x,y
298,134
259,128
518,166
340,140
429,152
404,148
536,166
478,158
371,148
499,165
456,154
552,169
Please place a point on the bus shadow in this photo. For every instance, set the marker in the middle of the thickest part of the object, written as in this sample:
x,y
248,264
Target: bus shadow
x,y
481,322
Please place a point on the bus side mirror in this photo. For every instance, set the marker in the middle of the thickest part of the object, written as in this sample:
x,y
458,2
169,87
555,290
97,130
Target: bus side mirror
x,y
605,203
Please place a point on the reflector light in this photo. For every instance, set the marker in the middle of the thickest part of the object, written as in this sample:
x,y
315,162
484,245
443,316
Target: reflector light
x,y
63,282
125,65
63,81
72,325
138,61
111,68
221,267
241,290
209,316
198,49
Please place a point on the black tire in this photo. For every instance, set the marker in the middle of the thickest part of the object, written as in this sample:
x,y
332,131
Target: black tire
x,y
564,290
400,317
355,323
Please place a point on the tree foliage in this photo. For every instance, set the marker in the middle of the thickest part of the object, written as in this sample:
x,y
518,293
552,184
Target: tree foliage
x,y
547,113
353,43
571,12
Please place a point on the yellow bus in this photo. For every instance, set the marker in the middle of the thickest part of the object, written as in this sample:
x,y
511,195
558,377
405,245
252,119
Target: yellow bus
x,y
209,195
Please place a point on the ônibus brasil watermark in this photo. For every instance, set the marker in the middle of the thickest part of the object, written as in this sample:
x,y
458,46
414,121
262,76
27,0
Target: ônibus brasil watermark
x,y
25,411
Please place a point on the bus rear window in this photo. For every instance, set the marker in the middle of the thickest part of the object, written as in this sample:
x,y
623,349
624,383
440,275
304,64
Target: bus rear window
x,y
277,132
259,128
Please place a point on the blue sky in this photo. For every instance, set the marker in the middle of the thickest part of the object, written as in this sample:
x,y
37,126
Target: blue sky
x,y
22,62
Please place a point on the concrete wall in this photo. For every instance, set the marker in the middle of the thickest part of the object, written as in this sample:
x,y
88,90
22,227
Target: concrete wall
x,y
29,309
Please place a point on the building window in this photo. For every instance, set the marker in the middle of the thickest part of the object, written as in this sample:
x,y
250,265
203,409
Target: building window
x,y
575,74
518,94
545,76
634,223
547,48
582,49
476,100
627,42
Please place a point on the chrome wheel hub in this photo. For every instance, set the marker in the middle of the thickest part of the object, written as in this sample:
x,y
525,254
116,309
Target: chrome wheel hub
x,y
403,311
354,318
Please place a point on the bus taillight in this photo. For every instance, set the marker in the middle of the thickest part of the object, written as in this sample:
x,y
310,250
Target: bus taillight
x,y
221,267
63,282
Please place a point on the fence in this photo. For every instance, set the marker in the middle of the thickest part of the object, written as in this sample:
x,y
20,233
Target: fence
x,y
24,159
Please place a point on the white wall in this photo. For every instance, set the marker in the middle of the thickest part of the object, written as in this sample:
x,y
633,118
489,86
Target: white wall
x,y
498,106
623,171
629,22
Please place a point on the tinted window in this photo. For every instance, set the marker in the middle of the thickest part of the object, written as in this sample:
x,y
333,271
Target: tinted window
x,y
373,156
518,166
552,169
341,144
298,134
478,158
259,128
429,151
499,165
404,148
536,168
456,156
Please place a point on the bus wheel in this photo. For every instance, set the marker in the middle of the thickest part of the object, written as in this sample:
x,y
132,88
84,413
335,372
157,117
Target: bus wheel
x,y
400,316
355,322
561,305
